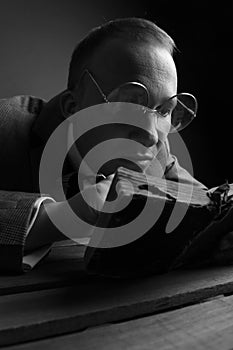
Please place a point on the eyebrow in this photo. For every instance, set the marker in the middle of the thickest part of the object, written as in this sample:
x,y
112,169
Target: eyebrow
x,y
170,101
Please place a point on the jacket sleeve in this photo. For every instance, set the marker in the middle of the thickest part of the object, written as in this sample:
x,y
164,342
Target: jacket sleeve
x,y
16,211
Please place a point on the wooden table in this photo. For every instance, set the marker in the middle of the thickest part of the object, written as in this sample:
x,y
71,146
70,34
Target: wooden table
x,y
58,306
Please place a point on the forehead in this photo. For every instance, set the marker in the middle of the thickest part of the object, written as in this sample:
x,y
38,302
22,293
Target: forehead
x,y
118,61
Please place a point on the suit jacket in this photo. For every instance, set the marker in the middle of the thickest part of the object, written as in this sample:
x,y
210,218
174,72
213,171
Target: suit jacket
x,y
25,126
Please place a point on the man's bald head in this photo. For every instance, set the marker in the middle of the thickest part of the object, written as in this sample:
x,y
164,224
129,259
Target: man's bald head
x,y
133,29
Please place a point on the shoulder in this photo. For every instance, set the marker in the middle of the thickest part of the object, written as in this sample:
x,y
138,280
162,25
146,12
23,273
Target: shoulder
x,y
20,106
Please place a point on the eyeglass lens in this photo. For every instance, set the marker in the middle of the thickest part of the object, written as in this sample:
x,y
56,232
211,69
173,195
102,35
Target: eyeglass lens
x,y
182,107
184,111
129,92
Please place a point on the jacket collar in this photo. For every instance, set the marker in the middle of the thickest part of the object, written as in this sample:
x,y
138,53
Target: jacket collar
x,y
48,119
46,122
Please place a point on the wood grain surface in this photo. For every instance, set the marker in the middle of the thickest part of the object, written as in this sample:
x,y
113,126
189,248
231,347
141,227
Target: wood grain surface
x,y
91,302
62,267
208,325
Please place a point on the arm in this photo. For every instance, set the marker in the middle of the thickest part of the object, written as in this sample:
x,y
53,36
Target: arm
x,y
16,209
45,232
16,213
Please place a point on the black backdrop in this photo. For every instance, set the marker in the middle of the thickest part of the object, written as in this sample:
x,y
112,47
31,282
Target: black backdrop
x,y
203,34
38,37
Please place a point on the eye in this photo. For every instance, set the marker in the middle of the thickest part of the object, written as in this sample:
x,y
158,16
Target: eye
x,y
167,107
130,92
163,112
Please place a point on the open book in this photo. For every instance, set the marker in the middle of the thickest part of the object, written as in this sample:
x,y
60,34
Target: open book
x,y
182,224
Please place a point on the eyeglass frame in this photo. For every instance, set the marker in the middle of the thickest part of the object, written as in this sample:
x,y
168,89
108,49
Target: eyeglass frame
x,y
151,110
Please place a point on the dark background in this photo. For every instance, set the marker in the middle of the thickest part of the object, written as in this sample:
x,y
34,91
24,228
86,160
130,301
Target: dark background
x,y
37,39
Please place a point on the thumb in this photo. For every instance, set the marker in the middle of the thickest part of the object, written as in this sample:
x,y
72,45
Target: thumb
x,y
103,186
95,195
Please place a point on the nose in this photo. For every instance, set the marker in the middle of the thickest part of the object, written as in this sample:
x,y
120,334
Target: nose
x,y
144,130
142,136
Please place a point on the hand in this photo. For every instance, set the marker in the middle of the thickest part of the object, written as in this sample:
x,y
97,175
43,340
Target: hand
x,y
89,202
95,195
44,232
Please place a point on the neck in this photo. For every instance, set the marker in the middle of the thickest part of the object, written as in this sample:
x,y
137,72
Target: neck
x,y
48,120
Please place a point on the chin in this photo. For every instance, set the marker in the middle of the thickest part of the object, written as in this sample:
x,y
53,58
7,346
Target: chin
x,y
111,166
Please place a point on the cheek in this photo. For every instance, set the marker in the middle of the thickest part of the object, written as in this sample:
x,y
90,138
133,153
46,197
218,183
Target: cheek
x,y
104,153
96,136
90,96
162,126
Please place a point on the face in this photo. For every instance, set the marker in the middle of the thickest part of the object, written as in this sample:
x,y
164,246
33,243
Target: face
x,y
115,63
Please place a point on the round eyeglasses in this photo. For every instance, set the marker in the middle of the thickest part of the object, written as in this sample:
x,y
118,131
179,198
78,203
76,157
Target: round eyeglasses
x,y
182,107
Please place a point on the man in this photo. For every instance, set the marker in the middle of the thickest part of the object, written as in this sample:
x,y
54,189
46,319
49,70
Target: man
x,y
110,57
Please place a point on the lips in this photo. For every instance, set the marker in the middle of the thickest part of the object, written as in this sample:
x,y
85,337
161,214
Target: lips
x,y
139,157
136,161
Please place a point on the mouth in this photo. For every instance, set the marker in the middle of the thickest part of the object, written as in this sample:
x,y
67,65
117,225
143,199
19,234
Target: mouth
x,y
140,157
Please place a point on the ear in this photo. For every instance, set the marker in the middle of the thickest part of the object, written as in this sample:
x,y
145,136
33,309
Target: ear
x,y
68,104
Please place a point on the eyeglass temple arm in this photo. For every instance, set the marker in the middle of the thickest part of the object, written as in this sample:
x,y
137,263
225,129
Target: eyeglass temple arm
x,y
188,109
97,85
